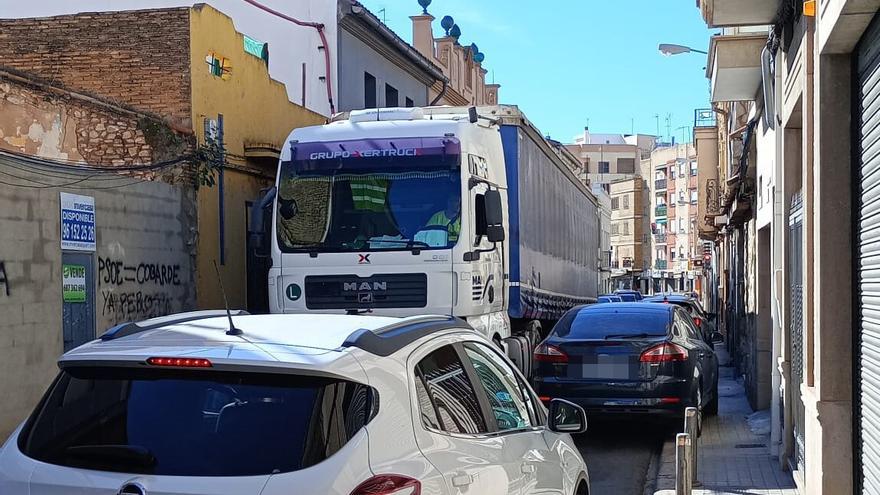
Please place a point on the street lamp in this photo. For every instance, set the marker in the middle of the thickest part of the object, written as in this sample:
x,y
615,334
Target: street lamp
x,y
670,50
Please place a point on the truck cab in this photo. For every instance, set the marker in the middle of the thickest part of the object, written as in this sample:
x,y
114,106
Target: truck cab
x,y
392,212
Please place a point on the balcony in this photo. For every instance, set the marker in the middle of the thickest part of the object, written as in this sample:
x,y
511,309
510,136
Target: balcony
x,y
660,238
725,13
660,184
660,211
660,264
704,117
735,65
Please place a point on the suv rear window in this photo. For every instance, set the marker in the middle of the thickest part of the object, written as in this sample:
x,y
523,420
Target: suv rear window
x,y
194,423
600,325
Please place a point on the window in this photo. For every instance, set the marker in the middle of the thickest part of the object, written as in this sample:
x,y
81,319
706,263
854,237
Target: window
x,y
625,228
693,196
680,253
409,102
693,168
615,228
592,325
391,96
450,393
369,91
221,424
218,66
681,226
681,199
681,170
626,165
604,167
481,228
615,203
501,387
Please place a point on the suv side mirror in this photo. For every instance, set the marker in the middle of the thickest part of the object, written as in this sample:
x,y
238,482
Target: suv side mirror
x,y
566,417
717,338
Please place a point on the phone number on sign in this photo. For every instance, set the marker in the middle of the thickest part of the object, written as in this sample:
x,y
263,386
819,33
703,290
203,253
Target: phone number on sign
x,y
78,232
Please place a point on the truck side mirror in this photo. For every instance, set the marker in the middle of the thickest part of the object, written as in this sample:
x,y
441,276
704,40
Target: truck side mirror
x,y
495,233
260,226
494,208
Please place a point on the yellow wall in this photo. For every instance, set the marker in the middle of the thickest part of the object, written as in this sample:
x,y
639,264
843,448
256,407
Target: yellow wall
x,y
255,109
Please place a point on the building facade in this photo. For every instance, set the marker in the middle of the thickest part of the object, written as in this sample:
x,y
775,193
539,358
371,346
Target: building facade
x,y
191,67
603,198
676,248
127,178
793,88
613,162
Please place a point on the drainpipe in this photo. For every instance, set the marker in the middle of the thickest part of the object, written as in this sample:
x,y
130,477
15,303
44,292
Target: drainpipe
x,y
318,27
442,92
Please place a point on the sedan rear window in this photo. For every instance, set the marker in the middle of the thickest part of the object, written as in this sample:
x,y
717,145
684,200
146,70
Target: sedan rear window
x,y
194,423
601,325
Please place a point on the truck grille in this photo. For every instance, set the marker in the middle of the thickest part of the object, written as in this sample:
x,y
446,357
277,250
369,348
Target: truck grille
x,y
399,290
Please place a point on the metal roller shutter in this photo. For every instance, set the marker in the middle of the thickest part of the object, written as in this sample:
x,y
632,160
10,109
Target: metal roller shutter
x,y
867,175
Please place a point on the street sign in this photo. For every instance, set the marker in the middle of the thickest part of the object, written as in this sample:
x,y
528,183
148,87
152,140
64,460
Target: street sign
x,y
77,222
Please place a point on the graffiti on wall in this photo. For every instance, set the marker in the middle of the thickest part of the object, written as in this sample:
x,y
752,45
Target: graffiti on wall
x,y
133,291
4,279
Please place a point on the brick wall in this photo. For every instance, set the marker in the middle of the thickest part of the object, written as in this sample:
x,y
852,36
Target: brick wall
x,y
140,58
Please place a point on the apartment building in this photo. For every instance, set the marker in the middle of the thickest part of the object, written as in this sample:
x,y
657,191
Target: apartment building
x,y
613,162
793,86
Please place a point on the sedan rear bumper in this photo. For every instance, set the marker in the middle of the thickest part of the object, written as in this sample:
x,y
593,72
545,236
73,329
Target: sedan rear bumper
x,y
663,397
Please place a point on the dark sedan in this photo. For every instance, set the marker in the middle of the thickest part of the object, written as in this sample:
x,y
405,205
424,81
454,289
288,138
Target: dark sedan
x,y
705,321
628,358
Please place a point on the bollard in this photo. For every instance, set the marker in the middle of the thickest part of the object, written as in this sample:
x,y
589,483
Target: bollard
x,y
683,477
691,427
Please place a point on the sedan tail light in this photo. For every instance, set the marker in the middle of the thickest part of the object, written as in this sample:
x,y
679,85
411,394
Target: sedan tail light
x,y
698,321
546,353
389,484
664,353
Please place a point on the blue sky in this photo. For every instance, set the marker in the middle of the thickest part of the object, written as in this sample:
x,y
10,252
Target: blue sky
x,y
566,61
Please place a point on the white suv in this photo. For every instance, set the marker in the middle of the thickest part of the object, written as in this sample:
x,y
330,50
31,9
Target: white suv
x,y
282,404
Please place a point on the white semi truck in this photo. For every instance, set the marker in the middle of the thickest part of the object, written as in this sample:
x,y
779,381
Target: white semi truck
x,y
439,210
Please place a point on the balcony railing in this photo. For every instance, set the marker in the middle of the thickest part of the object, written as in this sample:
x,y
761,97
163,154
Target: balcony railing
x,y
660,264
660,184
704,117
661,238
660,211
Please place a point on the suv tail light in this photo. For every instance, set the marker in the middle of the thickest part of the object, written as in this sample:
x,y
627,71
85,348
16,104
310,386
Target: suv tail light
x,y
547,353
664,353
389,484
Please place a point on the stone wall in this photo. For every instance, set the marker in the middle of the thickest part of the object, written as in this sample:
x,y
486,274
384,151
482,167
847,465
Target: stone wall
x,y
140,58
45,120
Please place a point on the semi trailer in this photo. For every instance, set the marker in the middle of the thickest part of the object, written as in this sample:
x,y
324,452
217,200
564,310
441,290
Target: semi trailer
x,y
465,211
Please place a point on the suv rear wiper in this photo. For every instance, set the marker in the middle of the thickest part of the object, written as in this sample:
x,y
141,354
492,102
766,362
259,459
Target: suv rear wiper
x,y
128,454
634,336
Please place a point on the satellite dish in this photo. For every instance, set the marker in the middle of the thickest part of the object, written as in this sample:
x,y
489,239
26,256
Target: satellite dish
x,y
446,23
455,32
479,57
425,4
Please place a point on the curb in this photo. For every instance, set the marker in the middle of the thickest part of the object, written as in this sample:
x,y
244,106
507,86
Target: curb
x,y
656,472
665,477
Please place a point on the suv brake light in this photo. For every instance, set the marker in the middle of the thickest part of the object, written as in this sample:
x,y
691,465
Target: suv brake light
x,y
179,362
664,353
389,484
547,353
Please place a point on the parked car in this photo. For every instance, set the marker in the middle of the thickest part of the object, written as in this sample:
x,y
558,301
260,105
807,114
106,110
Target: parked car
x,y
280,404
609,298
628,359
629,295
705,321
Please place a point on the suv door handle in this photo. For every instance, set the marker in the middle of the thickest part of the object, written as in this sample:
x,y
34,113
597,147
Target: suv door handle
x,y
528,468
461,480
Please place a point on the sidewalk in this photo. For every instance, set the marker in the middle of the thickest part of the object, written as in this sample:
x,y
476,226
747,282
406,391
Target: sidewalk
x,y
731,458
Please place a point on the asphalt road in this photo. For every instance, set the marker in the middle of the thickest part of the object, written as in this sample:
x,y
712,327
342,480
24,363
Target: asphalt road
x,y
618,455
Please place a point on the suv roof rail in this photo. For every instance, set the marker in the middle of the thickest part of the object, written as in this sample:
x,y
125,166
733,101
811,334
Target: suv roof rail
x,y
131,328
389,339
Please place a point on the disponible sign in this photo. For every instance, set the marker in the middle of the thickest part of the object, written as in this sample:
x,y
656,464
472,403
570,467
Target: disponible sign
x,y
77,222
73,283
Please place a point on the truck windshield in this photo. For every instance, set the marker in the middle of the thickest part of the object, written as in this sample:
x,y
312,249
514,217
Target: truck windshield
x,y
377,195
